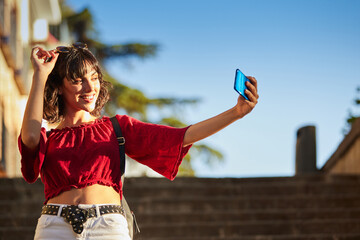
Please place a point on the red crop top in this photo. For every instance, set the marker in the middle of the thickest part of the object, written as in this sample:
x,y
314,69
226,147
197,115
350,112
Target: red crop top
x,y
89,154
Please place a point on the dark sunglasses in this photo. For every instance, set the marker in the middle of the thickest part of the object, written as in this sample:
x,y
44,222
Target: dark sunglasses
x,y
64,49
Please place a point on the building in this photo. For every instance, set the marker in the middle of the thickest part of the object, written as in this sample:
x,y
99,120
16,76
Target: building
x,y
23,24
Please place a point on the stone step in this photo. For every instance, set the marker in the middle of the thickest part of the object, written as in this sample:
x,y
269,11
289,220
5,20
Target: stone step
x,y
14,182
28,220
26,233
190,204
295,208
168,190
251,216
23,233
23,220
313,178
15,188
30,207
21,195
223,203
262,237
223,230
244,228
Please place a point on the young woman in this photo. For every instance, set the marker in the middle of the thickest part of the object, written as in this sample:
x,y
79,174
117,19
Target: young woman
x,y
79,161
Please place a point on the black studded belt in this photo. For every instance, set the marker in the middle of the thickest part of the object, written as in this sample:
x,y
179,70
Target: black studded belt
x,y
76,216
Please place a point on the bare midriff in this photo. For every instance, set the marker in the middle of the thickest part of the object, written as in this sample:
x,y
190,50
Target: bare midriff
x,y
94,194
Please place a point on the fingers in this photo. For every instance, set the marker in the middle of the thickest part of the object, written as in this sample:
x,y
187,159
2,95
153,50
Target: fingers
x,y
253,81
39,53
36,56
53,56
35,52
251,92
52,53
41,56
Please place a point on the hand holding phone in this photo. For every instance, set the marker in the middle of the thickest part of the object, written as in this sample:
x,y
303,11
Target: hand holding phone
x,y
239,85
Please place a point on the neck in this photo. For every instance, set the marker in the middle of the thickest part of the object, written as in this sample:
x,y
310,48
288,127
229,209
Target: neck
x,y
76,119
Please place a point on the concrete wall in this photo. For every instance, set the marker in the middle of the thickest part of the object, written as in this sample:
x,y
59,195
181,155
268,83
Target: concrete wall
x,y
349,162
346,159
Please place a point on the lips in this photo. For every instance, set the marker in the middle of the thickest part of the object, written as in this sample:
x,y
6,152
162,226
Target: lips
x,y
88,98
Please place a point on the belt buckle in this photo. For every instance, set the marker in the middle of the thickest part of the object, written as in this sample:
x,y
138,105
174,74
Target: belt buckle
x,y
76,216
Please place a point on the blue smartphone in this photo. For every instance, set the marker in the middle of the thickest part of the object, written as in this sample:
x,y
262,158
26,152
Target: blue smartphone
x,y
239,85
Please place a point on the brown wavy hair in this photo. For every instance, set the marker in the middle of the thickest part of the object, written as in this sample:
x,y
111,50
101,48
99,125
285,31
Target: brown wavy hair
x,y
71,65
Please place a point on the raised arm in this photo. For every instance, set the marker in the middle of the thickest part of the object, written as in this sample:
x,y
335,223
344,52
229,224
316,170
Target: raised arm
x,y
212,125
31,125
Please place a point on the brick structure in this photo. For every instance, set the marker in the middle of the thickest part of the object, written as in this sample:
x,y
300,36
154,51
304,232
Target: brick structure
x,y
311,207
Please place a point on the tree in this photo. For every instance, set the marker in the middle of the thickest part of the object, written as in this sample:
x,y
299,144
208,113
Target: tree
x,y
133,101
353,116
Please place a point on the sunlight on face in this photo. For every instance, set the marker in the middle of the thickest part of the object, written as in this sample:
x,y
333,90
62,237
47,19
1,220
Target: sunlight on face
x,y
80,94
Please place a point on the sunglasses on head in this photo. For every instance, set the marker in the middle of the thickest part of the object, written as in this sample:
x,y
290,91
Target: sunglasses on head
x,y
65,49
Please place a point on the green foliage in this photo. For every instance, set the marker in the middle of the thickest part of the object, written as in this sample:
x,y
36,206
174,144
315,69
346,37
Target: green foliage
x,y
186,168
124,97
126,50
207,154
172,121
210,155
133,101
353,116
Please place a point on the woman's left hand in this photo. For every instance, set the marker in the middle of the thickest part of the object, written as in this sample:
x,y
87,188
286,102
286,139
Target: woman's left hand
x,y
244,106
212,125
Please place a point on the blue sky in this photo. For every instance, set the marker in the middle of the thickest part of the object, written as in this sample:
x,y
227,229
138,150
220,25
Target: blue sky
x,y
304,54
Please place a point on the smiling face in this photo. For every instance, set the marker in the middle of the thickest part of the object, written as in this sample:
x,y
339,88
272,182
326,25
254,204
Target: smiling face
x,y
75,86
81,93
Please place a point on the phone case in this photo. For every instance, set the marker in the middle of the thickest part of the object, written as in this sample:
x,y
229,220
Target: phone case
x,y
239,84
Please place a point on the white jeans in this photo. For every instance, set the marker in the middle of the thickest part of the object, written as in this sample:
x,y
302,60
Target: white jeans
x,y
106,227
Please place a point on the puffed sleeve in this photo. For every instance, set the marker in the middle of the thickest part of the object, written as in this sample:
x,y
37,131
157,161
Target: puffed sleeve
x,y
156,146
32,160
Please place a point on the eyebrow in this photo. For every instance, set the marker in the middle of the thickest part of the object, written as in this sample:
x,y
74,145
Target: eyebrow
x,y
93,73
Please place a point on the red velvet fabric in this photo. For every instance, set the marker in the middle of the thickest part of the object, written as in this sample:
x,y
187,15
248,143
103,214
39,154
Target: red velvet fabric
x,y
89,154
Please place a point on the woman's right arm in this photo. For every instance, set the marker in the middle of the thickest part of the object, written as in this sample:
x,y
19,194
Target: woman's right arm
x,y
31,126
